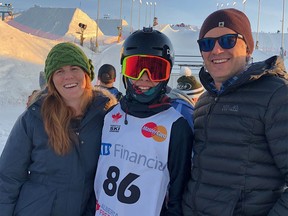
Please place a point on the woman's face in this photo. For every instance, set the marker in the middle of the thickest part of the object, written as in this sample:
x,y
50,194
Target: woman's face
x,y
70,82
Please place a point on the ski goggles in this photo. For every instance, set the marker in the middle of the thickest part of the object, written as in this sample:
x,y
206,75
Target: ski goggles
x,y
157,68
226,41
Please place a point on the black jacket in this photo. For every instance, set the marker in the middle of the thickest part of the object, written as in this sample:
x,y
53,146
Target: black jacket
x,y
241,146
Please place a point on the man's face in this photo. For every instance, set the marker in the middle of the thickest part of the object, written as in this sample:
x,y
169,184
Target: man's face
x,y
221,63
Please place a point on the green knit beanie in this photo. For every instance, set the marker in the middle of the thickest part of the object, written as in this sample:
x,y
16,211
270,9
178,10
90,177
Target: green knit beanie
x,y
64,54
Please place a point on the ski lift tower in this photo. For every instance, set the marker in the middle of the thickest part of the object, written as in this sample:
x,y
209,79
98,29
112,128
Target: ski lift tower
x,y
6,9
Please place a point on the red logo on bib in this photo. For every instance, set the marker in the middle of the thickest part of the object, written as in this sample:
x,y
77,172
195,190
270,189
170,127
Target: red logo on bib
x,y
152,130
116,117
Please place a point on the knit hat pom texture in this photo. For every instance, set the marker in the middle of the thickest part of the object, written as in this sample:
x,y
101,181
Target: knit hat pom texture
x,y
189,84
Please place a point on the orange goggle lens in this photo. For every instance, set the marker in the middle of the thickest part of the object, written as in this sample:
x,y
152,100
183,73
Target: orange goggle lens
x,y
157,68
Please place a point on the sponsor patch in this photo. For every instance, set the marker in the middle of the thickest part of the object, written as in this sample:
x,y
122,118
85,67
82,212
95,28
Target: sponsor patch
x,y
152,130
105,148
114,128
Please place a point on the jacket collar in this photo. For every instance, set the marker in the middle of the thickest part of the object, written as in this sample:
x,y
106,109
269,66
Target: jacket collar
x,y
273,66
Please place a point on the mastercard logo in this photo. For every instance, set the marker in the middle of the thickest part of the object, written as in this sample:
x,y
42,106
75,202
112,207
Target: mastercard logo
x,y
151,130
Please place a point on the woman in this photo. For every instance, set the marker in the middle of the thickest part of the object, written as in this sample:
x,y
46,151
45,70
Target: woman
x,y
48,164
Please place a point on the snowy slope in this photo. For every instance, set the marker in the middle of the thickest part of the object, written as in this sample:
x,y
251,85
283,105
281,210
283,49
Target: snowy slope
x,y
113,24
55,23
22,46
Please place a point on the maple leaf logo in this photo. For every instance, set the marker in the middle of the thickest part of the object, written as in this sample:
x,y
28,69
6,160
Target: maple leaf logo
x,y
116,117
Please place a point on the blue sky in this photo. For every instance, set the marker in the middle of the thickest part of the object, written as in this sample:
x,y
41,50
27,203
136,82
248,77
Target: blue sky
x,y
172,11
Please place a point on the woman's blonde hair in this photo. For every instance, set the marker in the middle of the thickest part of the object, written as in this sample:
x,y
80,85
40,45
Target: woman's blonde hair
x,y
57,116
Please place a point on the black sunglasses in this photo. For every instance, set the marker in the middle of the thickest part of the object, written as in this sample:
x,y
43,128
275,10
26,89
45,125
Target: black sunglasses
x,y
226,41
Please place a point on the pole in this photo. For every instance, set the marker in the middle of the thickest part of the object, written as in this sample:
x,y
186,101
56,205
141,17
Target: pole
x,y
154,9
150,9
282,37
140,3
97,27
146,14
258,22
120,27
121,14
244,5
131,15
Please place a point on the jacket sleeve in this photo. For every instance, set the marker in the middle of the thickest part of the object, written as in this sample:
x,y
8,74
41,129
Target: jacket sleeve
x,y
179,166
276,127
14,162
91,205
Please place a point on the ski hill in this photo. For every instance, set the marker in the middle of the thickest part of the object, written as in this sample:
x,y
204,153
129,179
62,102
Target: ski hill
x,y
24,47
55,23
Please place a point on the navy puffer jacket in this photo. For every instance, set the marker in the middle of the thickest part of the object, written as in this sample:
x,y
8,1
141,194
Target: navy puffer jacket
x,y
241,146
34,181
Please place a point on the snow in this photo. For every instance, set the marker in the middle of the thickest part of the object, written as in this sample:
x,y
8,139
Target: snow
x,y
26,41
8,115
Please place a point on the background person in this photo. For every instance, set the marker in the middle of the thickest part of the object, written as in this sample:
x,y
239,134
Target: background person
x,y
240,150
42,85
146,143
34,94
42,80
184,97
189,85
48,164
31,97
106,78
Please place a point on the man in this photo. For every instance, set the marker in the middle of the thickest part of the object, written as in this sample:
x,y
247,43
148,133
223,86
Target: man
x,y
240,163
107,77
145,159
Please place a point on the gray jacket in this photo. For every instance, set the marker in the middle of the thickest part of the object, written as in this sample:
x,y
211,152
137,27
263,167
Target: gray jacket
x,y
34,181
241,146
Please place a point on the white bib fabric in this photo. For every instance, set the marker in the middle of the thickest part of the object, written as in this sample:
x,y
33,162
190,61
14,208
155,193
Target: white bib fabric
x,y
132,175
